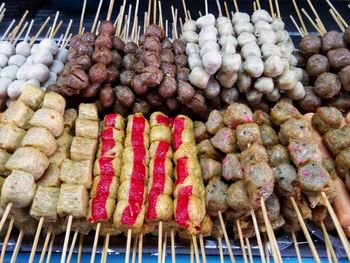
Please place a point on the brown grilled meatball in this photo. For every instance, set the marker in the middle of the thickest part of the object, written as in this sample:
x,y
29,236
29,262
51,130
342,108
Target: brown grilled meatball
x,y
155,30
91,91
206,150
84,61
311,101
166,44
326,118
283,111
64,90
116,58
341,101
106,27
294,129
104,40
310,45
327,85
141,105
124,95
347,36
277,155
126,77
118,108
342,163
215,198
300,59
210,168
151,58
152,44
102,55
118,44
185,92
198,104
229,96
302,151
128,61
225,140
179,47
142,82
107,97
88,37
154,99
167,87
344,76
130,48
84,48
337,140
214,122
312,177
77,79
182,74
268,135
316,65
98,73
232,169
181,61
112,74
168,69
167,55
332,40
172,104
285,176
339,58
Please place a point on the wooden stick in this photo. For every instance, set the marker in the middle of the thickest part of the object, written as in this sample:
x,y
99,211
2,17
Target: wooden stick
x,y
128,242
2,14
138,34
54,24
206,6
251,260
311,21
336,19
164,247
67,31
140,247
239,229
119,27
328,252
226,10
172,240
68,39
48,32
299,16
160,14
128,24
220,250
201,244
315,13
105,248
337,225
166,28
80,249
195,246
36,240
278,9
272,11
94,246
258,4
134,27
20,33
149,12
160,232
321,26
2,7
96,16
29,30
6,240
8,29
82,17
258,237
296,25
328,243
134,252
297,251
39,31
18,246
49,252
266,248
254,6
110,10
66,239
185,9
19,25
154,11
98,26
46,243
336,11
305,231
71,249
219,7
189,14
57,28
191,252
145,22
227,240
236,5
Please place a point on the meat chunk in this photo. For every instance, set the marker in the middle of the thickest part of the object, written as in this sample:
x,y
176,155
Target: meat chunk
x,y
214,122
247,134
48,119
215,199
210,168
272,205
268,135
262,118
225,140
342,163
83,149
294,129
206,150
200,131
236,114
253,155
283,111
18,114
237,197
11,137
302,151
41,139
278,154
232,169
337,140
313,177
76,172
326,118
285,176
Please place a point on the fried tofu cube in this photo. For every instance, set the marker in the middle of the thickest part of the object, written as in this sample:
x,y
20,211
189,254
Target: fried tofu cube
x,y
29,160
18,114
101,209
41,139
88,111
77,172
105,186
4,156
11,137
49,119
54,101
65,140
86,128
32,96
73,200
58,157
51,177
69,118
19,189
45,203
83,149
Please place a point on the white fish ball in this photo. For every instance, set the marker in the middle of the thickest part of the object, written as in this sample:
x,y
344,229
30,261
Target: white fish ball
x,y
34,49
49,44
57,66
9,72
192,48
194,60
4,83
209,45
244,27
245,38
250,49
222,20
297,93
14,90
30,60
266,36
199,78
51,80
23,48
228,40
213,89
39,72
190,37
273,66
190,25
240,17
261,14
62,54
17,60
3,60
207,20
231,62
269,49
264,85
287,80
22,71
273,96
277,24
43,57
7,48
253,66
227,78
212,61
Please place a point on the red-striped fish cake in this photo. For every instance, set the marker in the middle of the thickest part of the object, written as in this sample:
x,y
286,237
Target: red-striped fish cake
x,y
160,133
114,120
159,119
182,131
104,186
107,164
153,151
110,148
114,134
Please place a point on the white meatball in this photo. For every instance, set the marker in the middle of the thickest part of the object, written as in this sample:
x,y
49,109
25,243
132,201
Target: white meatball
x,y
30,60
227,79
62,55
287,80
273,96
273,66
44,57
293,61
269,49
266,36
261,14
240,17
51,80
212,90
231,62
22,71
222,20
245,38
209,36
228,48
244,82
205,21
14,90
49,44
199,78
250,49
261,25
226,29
57,67
209,45
212,61
192,48
287,47
39,72
190,25
281,36
244,27
3,60
297,93
33,82
9,72
264,85
228,40
277,24
4,83
194,60
253,66
298,72
7,48
17,60
34,49
208,29
253,97
23,48
190,37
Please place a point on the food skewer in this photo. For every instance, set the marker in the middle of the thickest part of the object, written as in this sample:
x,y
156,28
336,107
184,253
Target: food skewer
x,y
6,239
46,244
8,29
296,246
340,25
251,260
32,41
71,249
19,26
241,241
299,16
337,13
328,243
17,247
49,252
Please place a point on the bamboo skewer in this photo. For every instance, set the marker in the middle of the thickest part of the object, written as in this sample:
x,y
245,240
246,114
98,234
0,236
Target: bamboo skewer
x,y
278,9
140,246
29,30
66,238
17,247
94,246
18,26
258,237
258,4
266,248
271,9
128,242
8,29
46,243
297,251
20,33
201,244
160,232
80,249
36,240
236,5
54,24
299,16
105,248
57,28
49,252
172,240
191,252
227,240
134,252
195,246
249,250
185,9
305,231
134,28
226,10
67,32
328,252
220,250
96,16
71,249
328,243
316,14
39,31
164,247
48,32
206,6
336,19
337,13
219,7
296,25
239,230
312,22
6,240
